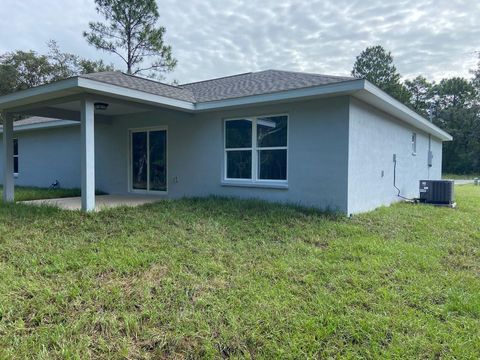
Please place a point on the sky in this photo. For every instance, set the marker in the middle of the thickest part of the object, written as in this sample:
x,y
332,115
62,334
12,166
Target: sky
x,y
214,38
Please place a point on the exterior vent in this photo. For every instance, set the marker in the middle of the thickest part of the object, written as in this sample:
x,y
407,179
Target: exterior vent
x,y
440,192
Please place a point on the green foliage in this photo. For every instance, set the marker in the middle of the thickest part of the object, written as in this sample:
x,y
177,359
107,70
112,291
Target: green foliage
x,y
376,65
224,278
66,65
476,75
453,104
421,92
21,70
130,31
458,112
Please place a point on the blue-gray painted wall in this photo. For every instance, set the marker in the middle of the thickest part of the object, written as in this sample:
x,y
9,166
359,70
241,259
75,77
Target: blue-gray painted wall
x,y
317,155
337,150
374,137
46,155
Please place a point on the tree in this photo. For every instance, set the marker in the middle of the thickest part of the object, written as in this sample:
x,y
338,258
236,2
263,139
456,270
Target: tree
x,y
132,33
376,65
421,95
66,65
21,70
476,75
458,112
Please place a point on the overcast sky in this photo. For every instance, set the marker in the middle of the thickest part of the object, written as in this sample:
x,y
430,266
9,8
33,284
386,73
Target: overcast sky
x,y
435,38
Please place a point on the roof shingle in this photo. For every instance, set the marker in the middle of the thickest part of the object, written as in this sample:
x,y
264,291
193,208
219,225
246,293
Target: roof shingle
x,y
254,83
137,83
257,83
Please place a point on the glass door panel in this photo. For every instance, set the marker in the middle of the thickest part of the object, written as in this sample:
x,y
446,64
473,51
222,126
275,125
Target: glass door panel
x,y
158,160
139,160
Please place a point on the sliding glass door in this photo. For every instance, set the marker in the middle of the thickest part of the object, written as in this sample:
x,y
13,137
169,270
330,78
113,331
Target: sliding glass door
x,y
148,160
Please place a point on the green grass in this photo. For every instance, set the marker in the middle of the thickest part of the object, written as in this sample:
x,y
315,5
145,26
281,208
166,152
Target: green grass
x,y
216,278
460,176
24,193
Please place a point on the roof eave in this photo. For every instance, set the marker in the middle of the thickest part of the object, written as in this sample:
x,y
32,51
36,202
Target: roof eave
x,y
340,88
99,87
77,86
373,95
39,93
361,89
43,125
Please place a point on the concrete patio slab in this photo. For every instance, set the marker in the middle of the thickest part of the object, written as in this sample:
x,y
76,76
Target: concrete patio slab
x,y
101,201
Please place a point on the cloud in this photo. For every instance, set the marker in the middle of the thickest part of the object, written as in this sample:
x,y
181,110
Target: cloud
x,y
435,38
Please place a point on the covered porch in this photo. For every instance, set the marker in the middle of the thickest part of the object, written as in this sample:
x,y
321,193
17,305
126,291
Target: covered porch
x,y
89,102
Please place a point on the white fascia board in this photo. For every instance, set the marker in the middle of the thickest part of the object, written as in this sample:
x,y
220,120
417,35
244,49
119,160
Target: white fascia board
x,y
79,85
43,125
38,93
347,87
381,100
93,86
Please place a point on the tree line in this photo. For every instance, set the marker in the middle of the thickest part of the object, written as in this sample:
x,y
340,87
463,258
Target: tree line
x,y
453,104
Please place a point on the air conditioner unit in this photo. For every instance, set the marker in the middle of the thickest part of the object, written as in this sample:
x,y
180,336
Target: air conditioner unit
x,y
440,192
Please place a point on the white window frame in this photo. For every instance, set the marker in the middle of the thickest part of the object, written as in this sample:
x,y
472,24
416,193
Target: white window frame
x,y
130,161
254,149
414,143
15,174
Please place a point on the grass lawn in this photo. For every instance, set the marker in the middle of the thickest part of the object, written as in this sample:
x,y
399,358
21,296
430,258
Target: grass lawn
x,y
217,278
460,176
24,193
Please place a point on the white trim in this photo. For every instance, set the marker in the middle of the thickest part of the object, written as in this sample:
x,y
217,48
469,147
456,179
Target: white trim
x,y
254,181
7,158
347,87
361,89
130,160
87,154
41,92
132,94
264,184
44,125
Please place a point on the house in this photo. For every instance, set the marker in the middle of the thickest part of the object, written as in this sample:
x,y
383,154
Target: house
x,y
329,142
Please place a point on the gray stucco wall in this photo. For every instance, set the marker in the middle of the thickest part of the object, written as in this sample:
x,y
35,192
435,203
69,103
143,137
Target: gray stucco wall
x,y
317,154
47,155
374,138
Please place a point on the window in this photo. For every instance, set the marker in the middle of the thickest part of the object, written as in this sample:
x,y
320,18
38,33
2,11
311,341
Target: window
x,y
256,149
414,144
15,156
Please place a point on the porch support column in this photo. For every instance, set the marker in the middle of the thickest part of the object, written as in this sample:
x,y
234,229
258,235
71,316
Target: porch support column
x,y
8,179
87,149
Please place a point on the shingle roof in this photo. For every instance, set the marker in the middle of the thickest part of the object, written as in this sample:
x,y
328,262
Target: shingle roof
x,y
254,83
257,83
137,83
32,121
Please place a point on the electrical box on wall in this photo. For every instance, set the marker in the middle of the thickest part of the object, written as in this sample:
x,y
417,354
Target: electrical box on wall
x,y
430,158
